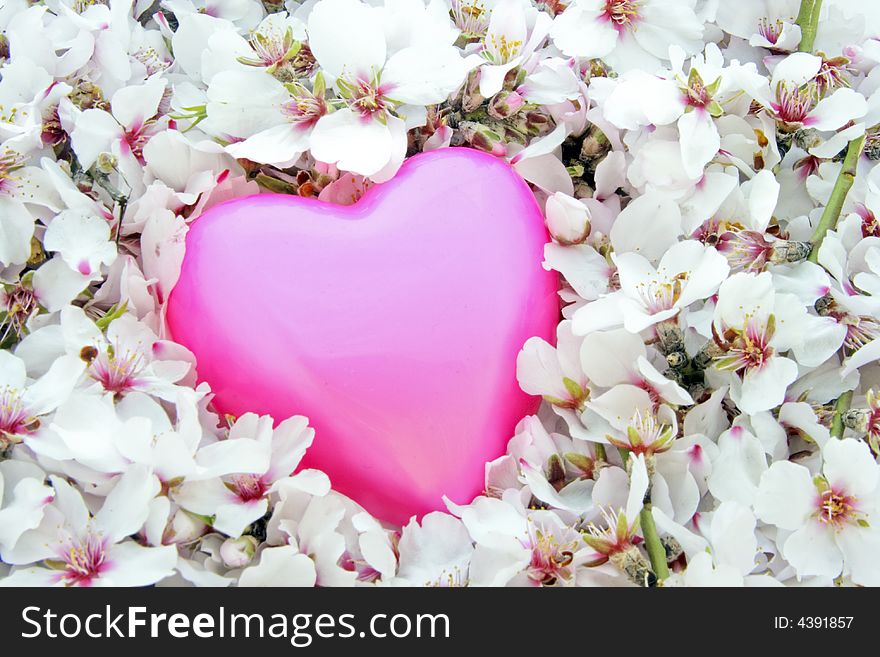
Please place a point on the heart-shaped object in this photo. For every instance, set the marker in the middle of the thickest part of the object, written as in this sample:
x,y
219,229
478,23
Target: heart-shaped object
x,y
393,324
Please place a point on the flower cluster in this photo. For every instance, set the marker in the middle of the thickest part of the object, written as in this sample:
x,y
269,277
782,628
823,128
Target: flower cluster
x,y
710,408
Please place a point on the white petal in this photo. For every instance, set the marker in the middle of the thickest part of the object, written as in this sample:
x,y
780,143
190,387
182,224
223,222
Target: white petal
x,y
233,519
638,486
765,388
280,145
16,230
376,550
585,270
130,564
32,577
619,404
83,241
836,110
732,534
578,32
738,467
55,386
608,357
850,466
700,141
134,105
492,78
796,69
280,566
649,225
786,495
23,510
811,550
860,547
354,144
424,75
603,313
94,133
354,24
127,506
56,284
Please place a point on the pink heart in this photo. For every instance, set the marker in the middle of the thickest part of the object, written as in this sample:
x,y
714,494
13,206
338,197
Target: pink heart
x,y
393,324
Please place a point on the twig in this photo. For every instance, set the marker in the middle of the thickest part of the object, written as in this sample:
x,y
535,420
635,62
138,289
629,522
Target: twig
x,y
842,185
656,551
808,19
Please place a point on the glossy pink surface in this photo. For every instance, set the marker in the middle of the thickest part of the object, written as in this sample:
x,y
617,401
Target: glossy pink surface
x,y
393,324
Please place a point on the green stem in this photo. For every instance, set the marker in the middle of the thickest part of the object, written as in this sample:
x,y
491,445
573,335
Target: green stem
x,y
808,19
656,551
842,185
600,452
841,406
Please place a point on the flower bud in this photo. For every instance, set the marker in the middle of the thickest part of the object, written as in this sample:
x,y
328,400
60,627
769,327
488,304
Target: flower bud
x,y
184,528
505,104
567,219
483,138
238,552
106,163
471,99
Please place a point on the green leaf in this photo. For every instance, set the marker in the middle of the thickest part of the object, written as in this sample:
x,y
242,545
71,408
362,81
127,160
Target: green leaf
x,y
573,388
581,461
115,312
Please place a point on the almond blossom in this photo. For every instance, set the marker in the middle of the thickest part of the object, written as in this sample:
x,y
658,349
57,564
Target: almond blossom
x,y
706,412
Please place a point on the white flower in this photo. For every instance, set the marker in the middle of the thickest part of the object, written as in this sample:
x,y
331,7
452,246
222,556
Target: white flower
x,y
765,23
755,325
515,30
81,549
239,499
688,272
791,99
832,516
82,240
271,123
627,34
24,403
127,357
367,135
123,132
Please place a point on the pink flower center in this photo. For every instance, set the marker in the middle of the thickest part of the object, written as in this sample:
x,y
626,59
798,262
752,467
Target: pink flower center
x,y
770,31
836,508
550,560
870,225
658,295
10,163
621,13
792,105
14,418
471,17
368,98
748,349
249,487
745,249
304,110
21,303
117,370
83,560
833,74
